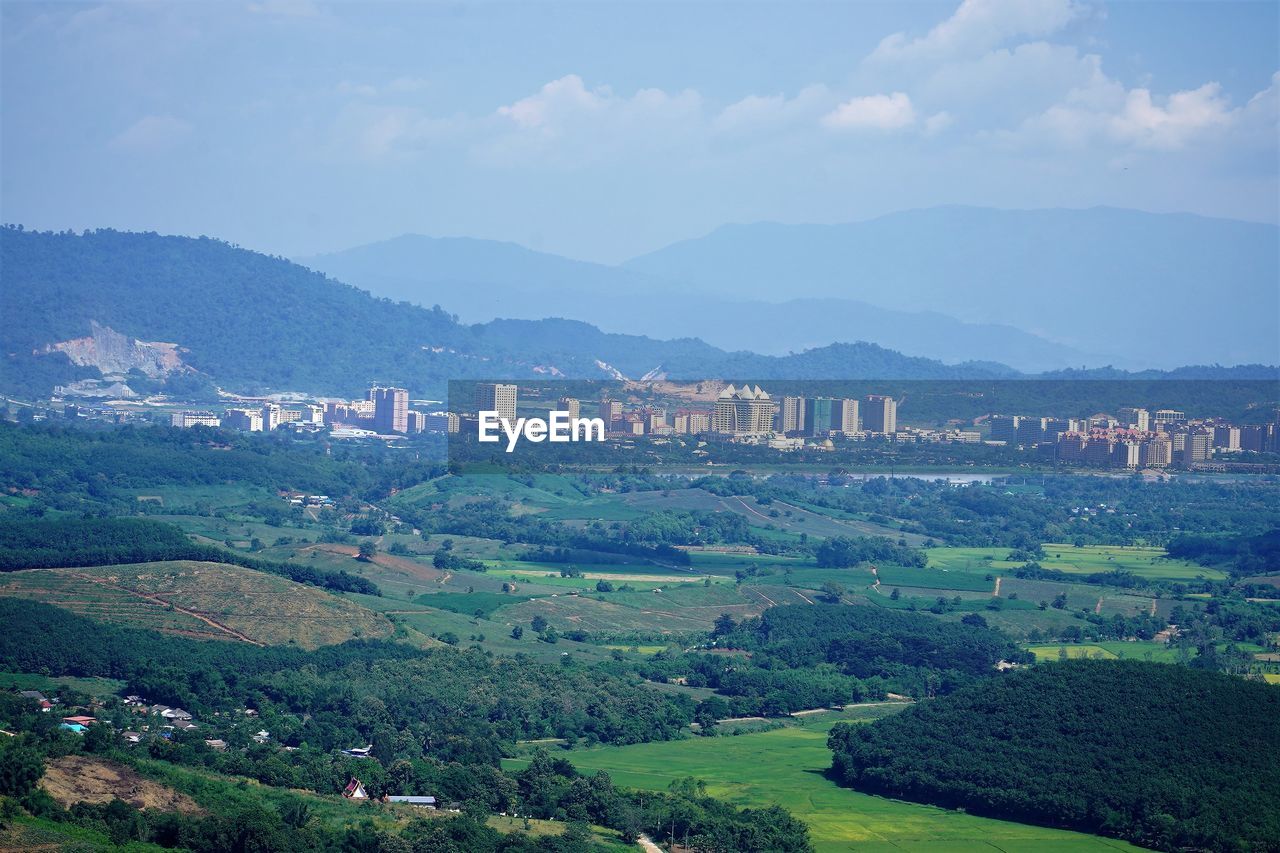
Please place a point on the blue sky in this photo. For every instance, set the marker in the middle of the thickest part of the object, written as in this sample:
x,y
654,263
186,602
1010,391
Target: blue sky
x,y
604,130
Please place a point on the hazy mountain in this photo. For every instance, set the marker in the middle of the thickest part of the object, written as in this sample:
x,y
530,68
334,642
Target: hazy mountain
x,y
1157,289
481,280
148,309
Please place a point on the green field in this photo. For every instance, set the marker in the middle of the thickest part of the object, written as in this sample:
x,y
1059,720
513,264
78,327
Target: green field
x,y
1144,561
786,766
1054,652
96,687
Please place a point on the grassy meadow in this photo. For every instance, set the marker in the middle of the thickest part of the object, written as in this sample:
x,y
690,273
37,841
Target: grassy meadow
x,y
787,766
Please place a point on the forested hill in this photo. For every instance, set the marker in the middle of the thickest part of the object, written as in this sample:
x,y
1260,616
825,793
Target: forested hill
x,y
186,314
250,322
1165,756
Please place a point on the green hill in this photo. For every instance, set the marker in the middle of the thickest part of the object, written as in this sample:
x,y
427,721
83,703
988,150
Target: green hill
x,y
1164,756
196,312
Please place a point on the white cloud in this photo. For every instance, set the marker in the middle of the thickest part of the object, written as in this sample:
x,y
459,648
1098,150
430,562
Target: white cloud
x,y
566,123
978,26
758,114
878,112
565,97
938,122
1146,124
152,133
1108,114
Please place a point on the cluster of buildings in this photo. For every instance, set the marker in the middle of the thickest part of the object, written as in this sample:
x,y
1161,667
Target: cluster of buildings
x,y
1134,438
267,417
384,411
751,414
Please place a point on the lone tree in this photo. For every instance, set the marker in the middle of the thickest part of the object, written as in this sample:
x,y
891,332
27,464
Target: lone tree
x,y
367,551
724,625
833,591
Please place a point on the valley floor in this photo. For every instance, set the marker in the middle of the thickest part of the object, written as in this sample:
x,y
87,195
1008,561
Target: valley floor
x,y
788,766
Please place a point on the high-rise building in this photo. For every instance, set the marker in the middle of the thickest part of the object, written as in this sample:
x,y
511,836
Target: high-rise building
x,y
246,420
1031,431
881,415
446,422
1071,447
1198,447
1164,420
610,411
821,416
570,405
850,422
1126,454
1005,428
699,422
313,414
270,417
1253,437
791,416
1098,451
497,397
1134,418
1226,438
390,410
1157,452
191,419
1054,427
416,422
743,412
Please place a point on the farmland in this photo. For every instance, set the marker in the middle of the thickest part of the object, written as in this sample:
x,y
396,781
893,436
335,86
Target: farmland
x,y
1131,650
787,766
1143,561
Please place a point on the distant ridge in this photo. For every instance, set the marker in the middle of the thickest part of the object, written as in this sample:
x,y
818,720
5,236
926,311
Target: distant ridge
x,y
481,280
1156,289
248,322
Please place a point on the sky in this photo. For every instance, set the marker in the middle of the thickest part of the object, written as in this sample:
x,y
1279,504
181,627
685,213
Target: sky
x,y
603,130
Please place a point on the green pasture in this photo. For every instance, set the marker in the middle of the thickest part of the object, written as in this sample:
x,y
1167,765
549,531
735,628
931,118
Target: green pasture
x,y
1136,650
787,766
496,630
1147,562
932,577
48,685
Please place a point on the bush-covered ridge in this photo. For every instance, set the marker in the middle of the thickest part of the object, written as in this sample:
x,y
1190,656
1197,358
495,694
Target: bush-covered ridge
x,y
448,703
1164,756
53,543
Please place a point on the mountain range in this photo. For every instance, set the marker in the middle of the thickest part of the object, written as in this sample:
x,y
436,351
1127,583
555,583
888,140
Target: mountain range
x,y
117,312
143,311
1035,289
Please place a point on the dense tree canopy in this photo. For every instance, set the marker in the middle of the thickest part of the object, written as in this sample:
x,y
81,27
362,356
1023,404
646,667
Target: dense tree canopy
x,y
1162,755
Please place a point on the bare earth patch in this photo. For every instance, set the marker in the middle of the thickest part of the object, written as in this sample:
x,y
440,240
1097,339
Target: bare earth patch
x,y
81,779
